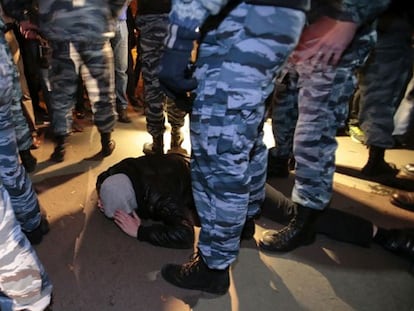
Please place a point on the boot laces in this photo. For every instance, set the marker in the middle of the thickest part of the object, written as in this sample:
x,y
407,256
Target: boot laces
x,y
193,265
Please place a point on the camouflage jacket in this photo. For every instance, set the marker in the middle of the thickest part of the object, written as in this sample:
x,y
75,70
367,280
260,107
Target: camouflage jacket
x,y
191,14
357,11
78,20
71,20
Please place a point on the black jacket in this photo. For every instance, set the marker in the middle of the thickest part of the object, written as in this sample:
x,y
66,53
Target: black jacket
x,y
162,185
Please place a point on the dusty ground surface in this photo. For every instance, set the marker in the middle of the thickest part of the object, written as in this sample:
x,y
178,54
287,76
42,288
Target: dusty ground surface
x,y
94,266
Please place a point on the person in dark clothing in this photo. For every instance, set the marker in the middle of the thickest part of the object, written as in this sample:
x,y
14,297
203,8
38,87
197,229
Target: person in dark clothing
x,y
158,187
344,227
155,187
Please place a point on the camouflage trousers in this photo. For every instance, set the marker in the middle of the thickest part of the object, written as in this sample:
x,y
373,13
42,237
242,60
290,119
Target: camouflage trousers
x,y
153,30
236,66
12,173
306,115
382,82
24,284
95,62
23,131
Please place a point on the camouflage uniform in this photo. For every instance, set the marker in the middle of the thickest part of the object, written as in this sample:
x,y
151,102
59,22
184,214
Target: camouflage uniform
x,y
320,96
384,77
12,174
153,30
79,34
23,131
24,284
236,65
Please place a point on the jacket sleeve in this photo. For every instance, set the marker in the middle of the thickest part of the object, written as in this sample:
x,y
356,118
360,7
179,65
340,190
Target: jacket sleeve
x,y
175,229
192,14
361,11
171,236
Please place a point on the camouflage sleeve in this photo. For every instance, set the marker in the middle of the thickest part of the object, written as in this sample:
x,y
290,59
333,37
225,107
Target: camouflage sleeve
x,y
191,14
361,11
24,284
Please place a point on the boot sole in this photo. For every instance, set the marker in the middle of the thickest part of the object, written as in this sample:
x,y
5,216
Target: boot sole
x,y
209,291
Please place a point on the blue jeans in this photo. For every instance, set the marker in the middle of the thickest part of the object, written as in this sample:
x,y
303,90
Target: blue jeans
x,y
120,47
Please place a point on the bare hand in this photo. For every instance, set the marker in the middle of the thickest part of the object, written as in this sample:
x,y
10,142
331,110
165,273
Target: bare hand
x,y
29,30
128,223
326,45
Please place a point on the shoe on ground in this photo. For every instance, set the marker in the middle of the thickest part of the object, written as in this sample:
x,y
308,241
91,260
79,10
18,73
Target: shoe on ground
x,y
177,139
36,236
400,242
108,148
356,134
150,148
196,275
58,154
156,147
298,232
123,116
379,168
404,200
178,150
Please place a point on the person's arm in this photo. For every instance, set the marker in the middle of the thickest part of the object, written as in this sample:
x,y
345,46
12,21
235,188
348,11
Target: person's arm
x,y
175,232
324,41
186,18
179,236
130,224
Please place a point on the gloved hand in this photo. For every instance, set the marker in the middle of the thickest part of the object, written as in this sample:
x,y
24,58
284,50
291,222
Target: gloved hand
x,y
175,74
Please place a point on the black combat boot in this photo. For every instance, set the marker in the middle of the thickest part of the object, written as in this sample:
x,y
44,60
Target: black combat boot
x,y
156,147
58,154
376,165
177,139
398,241
108,144
298,232
28,160
197,275
36,236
